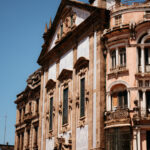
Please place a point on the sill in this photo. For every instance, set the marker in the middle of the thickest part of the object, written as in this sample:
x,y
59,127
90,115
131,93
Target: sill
x,y
82,118
64,125
50,131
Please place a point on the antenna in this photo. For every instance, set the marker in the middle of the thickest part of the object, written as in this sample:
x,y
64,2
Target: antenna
x,y
5,128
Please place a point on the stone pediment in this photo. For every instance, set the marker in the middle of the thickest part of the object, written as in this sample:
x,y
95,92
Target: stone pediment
x,y
70,14
50,84
65,74
82,62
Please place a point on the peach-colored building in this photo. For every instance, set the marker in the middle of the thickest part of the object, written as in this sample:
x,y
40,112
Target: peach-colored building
x,y
93,89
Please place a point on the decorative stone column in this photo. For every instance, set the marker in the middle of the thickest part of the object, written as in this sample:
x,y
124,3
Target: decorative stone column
x,y
142,59
117,57
135,139
108,103
139,139
143,104
128,94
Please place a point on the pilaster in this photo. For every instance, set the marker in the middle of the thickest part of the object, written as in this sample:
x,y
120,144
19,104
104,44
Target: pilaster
x,y
90,108
74,101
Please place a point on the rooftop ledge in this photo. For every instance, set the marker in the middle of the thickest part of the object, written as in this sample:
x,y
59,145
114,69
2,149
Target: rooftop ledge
x,y
120,6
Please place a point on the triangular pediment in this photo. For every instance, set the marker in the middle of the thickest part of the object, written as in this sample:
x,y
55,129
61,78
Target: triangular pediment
x,y
69,16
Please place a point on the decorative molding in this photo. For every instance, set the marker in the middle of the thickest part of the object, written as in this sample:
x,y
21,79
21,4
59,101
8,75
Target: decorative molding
x,y
50,84
34,79
81,63
117,72
65,75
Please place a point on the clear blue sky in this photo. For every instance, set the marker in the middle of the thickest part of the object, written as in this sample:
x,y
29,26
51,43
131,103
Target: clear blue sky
x,y
22,24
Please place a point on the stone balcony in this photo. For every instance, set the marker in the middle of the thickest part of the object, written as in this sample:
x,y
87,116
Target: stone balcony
x,y
117,118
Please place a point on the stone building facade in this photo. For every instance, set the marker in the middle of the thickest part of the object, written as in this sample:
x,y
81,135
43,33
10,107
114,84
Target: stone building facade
x,y
92,91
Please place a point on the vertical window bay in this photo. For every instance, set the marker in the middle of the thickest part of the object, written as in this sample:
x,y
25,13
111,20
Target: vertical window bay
x,y
82,97
65,106
51,114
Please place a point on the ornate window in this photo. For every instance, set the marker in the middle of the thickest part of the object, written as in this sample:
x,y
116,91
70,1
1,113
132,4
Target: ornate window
x,y
82,97
65,106
50,86
51,114
65,103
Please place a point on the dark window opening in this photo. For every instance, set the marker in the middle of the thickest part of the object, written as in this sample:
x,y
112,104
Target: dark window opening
x,y
65,106
82,97
51,114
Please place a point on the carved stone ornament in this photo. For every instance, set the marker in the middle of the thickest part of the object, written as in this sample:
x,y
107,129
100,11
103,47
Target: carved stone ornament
x,y
53,111
118,114
132,31
64,129
87,95
81,63
70,103
82,122
50,134
60,107
50,84
65,75
34,79
77,100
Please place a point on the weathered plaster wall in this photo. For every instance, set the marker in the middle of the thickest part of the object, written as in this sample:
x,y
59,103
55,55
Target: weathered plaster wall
x,y
52,72
82,138
66,61
81,15
50,144
83,48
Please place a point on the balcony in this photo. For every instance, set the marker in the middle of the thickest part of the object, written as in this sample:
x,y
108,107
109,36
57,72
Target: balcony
x,y
117,117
